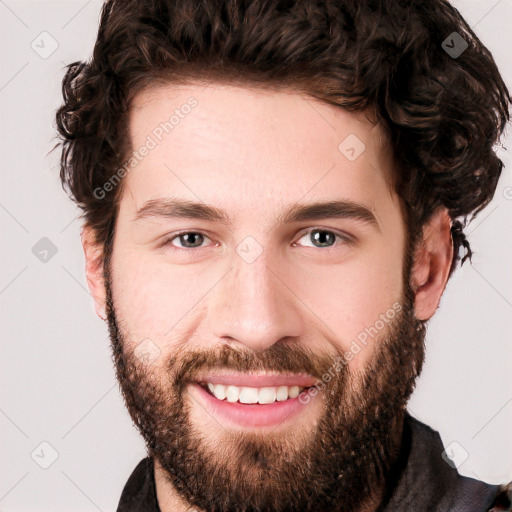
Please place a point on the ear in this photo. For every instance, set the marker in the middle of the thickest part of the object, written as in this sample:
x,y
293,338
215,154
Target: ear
x,y
432,262
94,270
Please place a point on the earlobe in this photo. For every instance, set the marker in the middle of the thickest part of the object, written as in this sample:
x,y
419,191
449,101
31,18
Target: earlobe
x,y
94,270
432,264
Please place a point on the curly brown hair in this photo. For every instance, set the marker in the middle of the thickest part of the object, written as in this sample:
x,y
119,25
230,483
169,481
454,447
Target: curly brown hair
x,y
442,113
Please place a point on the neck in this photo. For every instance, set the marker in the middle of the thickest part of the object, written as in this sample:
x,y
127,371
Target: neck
x,y
168,498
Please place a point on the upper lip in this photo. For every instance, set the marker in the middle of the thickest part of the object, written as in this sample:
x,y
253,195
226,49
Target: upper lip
x,y
257,379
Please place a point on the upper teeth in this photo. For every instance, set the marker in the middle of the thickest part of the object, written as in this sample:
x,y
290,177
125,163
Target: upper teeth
x,y
246,395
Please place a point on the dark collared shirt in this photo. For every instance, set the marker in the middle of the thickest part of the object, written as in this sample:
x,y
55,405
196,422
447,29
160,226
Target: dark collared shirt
x,y
421,480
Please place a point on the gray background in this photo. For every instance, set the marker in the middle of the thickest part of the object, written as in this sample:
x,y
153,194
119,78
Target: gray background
x,y
57,381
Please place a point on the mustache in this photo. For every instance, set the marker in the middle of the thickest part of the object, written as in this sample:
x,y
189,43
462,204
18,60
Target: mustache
x,y
280,357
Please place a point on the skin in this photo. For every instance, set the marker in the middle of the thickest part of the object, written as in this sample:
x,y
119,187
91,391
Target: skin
x,y
253,152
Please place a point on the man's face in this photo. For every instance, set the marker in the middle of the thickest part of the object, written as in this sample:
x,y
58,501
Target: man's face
x,y
261,305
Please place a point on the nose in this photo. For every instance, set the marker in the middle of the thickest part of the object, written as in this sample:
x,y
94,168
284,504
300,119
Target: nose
x,y
254,304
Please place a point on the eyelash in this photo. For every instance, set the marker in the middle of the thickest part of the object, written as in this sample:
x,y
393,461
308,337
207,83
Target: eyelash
x,y
344,239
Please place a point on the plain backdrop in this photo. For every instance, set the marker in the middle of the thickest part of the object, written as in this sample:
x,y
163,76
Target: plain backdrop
x,y
60,406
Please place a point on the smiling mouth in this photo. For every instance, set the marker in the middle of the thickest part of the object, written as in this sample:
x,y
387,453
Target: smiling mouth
x,y
253,395
256,400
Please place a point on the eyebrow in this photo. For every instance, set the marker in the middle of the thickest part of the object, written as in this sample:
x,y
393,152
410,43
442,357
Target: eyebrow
x,y
185,209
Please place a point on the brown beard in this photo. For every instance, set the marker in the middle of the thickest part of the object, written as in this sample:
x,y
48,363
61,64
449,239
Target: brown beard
x,y
337,466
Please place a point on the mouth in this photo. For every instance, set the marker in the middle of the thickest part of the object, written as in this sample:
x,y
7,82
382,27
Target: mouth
x,y
247,401
253,395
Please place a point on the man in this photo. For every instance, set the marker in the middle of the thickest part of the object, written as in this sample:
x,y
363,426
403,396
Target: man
x,y
274,196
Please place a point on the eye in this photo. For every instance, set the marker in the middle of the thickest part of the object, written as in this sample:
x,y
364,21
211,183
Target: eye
x,y
324,238
320,238
189,239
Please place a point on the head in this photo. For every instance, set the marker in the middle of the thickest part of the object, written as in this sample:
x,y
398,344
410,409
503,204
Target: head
x,y
275,194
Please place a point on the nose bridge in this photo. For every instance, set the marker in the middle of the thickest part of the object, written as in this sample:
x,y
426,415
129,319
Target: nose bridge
x,y
252,305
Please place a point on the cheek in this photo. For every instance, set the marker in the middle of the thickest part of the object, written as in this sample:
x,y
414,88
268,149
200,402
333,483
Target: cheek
x,y
353,303
158,301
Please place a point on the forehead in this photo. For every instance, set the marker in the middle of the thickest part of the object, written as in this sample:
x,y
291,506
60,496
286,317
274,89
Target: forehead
x,y
238,111
222,143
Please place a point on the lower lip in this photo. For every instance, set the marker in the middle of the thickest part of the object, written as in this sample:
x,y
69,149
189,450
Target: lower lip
x,y
253,415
